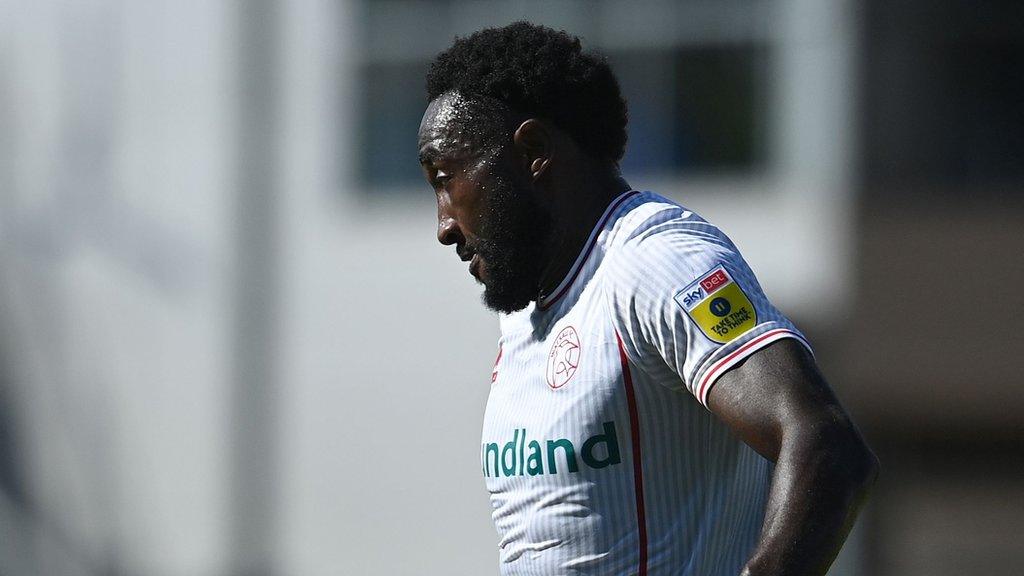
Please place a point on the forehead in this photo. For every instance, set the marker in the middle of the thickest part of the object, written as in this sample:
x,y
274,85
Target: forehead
x,y
454,125
438,121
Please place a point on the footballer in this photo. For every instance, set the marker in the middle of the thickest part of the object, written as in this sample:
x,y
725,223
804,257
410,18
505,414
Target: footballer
x,y
650,411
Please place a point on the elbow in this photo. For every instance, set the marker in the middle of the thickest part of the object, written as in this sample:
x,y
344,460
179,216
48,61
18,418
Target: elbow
x,y
855,462
862,468
844,455
867,467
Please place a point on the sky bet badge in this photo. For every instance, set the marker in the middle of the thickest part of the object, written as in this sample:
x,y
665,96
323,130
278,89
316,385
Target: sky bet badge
x,y
718,305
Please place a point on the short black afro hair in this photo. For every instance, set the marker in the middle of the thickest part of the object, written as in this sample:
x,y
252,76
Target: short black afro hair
x,y
537,71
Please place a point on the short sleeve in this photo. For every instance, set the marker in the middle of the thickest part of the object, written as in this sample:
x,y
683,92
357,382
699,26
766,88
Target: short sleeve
x,y
687,307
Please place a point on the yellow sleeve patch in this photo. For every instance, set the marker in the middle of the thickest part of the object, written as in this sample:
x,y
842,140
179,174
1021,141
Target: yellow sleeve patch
x,y
718,305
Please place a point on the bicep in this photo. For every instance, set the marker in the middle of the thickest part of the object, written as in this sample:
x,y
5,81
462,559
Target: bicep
x,y
774,395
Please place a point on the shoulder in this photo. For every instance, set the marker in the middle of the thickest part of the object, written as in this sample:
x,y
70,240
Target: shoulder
x,y
663,246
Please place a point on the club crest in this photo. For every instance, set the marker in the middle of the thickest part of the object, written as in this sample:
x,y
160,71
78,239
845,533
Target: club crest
x,y
564,358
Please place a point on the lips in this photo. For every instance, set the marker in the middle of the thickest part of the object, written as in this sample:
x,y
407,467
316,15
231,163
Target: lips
x,y
467,254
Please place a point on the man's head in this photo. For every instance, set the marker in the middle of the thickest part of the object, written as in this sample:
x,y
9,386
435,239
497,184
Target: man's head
x,y
502,102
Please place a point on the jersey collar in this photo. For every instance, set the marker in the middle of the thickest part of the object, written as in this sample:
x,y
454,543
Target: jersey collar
x,y
545,301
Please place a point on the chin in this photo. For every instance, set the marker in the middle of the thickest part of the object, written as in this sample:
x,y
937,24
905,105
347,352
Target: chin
x,y
505,302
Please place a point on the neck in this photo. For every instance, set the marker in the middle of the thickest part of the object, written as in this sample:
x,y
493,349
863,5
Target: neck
x,y
575,211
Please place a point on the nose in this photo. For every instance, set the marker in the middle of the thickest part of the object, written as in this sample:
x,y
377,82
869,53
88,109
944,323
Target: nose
x,y
448,231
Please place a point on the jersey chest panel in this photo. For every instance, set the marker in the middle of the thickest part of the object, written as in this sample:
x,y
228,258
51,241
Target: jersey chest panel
x,y
556,450
599,465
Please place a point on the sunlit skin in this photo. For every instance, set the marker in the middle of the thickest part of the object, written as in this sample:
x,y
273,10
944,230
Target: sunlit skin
x,y
776,400
457,171
537,160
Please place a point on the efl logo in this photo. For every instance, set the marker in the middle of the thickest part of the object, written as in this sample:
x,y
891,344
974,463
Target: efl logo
x,y
564,357
715,280
718,306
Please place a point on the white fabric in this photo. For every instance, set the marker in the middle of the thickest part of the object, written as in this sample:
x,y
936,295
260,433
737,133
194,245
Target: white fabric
x,y
598,453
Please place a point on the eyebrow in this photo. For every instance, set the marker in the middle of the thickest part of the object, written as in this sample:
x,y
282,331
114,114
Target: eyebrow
x,y
428,155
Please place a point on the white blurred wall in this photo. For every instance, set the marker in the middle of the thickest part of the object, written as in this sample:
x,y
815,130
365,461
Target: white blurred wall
x,y
116,141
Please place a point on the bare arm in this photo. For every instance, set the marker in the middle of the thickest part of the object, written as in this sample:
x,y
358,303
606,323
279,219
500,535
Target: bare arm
x,y
779,404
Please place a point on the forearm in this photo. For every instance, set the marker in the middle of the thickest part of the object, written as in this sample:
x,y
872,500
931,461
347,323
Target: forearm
x,y
821,479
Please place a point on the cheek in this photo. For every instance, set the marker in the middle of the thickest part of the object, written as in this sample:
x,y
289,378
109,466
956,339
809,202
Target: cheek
x,y
468,202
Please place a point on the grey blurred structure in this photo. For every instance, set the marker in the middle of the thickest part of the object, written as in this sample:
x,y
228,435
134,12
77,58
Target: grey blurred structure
x,y
230,345
933,362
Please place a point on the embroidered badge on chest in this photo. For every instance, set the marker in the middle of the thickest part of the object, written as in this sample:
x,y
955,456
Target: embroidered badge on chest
x,y
718,305
564,358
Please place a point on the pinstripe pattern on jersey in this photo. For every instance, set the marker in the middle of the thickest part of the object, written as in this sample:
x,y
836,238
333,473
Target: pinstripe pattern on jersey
x,y
694,502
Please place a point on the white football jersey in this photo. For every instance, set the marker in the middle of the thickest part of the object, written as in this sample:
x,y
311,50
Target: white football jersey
x,y
598,451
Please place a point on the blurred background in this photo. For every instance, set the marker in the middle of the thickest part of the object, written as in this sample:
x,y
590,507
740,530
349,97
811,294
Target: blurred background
x,y
230,344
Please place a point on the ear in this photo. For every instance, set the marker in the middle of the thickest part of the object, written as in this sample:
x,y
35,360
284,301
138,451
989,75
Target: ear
x,y
535,145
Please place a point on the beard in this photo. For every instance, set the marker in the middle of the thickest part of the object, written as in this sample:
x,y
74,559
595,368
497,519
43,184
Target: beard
x,y
516,231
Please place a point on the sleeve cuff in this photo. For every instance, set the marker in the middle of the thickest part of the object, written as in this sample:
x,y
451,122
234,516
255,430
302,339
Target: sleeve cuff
x,y
711,374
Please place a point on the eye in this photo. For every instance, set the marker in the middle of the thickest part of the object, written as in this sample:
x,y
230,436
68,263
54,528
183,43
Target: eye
x,y
441,178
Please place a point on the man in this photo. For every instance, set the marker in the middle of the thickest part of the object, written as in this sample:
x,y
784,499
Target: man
x,y
650,411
